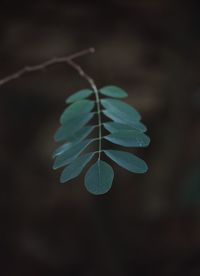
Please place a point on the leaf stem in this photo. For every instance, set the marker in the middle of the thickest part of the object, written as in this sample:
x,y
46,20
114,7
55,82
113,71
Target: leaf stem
x,y
97,151
99,116
81,72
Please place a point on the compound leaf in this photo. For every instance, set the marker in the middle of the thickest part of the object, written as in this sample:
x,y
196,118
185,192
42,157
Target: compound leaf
x,y
76,167
125,129
82,94
99,178
127,161
113,91
72,126
77,108
71,154
128,138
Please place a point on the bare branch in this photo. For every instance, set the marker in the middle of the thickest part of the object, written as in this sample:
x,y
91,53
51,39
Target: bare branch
x,y
67,59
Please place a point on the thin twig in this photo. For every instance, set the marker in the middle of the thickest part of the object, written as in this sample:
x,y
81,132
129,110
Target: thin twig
x,y
70,61
42,66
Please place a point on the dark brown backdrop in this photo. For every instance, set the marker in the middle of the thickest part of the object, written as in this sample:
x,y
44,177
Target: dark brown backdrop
x,y
147,224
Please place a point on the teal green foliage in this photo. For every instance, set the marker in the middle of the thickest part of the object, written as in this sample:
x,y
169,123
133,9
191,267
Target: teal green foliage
x,y
74,127
114,126
76,167
82,94
99,178
78,108
128,138
127,161
123,127
113,91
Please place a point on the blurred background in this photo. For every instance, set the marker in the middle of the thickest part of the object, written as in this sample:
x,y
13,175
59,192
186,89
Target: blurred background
x,y
147,224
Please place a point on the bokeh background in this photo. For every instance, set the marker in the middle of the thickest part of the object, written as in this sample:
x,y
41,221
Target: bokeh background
x,y
147,224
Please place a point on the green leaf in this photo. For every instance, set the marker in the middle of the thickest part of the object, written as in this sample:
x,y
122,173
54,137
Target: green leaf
x,y
75,109
113,91
61,149
72,126
99,178
76,167
125,129
71,154
81,134
120,110
82,94
116,117
76,137
114,126
129,138
127,161
64,134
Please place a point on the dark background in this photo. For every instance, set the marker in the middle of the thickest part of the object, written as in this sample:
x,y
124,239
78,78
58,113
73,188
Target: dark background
x,y
147,224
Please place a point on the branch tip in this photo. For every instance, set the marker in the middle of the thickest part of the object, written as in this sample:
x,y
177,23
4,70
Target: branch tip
x,y
50,62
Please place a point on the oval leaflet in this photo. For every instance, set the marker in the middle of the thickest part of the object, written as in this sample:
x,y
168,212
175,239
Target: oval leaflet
x,y
113,91
127,161
76,167
99,178
82,94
